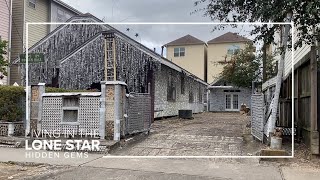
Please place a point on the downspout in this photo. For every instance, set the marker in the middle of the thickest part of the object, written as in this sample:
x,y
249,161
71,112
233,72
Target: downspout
x,y
9,51
162,51
280,73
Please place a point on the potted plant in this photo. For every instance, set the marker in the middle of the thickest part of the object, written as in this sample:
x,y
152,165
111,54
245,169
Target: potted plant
x,y
276,139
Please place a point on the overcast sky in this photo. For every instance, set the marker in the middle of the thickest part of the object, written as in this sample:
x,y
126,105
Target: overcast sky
x,y
154,36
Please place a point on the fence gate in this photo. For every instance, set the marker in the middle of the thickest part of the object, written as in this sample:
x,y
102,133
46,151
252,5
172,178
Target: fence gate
x,y
139,113
257,109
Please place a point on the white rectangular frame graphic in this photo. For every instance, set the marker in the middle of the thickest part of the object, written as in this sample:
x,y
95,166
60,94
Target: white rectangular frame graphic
x,y
174,23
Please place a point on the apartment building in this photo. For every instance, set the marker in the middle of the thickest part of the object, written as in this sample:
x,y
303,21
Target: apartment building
x,y
5,31
189,53
221,49
34,11
204,59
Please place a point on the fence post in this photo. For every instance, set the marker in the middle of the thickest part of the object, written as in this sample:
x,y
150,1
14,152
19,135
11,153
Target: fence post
x,y
102,123
41,91
27,122
115,97
314,133
36,107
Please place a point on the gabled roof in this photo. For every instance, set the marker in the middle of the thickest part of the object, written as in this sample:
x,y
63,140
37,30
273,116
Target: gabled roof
x,y
228,37
67,6
138,45
185,40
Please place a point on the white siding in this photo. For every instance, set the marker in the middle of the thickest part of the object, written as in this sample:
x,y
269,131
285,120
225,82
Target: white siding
x,y
38,14
17,40
5,26
298,55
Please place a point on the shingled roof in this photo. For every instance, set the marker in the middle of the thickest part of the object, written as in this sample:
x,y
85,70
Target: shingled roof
x,y
228,37
185,40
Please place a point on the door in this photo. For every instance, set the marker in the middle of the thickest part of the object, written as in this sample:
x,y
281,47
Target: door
x,y
232,102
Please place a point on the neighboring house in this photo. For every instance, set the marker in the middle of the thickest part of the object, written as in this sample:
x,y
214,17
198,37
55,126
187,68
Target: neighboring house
x,y
34,11
225,97
61,12
306,101
189,53
221,49
81,63
5,31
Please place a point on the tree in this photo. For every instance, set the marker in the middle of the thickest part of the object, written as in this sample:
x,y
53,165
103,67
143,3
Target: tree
x,y
3,61
245,67
305,16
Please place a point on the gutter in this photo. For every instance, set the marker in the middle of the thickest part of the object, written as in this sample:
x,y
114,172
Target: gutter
x,y
220,87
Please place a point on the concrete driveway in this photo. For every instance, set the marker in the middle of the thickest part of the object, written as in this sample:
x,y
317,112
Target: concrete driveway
x,y
208,134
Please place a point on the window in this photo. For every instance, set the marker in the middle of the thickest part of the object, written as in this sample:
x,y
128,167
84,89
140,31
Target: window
x,y
200,94
182,84
191,97
233,49
171,88
235,102
70,116
178,52
228,101
32,4
70,110
232,102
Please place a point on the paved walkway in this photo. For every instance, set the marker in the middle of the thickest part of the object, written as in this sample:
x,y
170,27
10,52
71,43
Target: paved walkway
x,y
208,134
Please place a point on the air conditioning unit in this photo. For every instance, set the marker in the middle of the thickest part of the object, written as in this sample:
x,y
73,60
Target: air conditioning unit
x,y
185,114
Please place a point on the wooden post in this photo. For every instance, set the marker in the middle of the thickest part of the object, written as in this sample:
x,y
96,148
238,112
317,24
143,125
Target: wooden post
x,y
105,59
314,139
114,59
298,76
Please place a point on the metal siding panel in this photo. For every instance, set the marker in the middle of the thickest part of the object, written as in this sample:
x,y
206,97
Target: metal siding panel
x,y
257,116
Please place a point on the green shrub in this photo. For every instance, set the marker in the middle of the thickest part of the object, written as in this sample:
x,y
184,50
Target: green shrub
x,y
59,90
11,98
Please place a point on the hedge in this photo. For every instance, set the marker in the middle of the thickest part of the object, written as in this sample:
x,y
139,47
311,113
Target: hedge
x,y
11,98
59,90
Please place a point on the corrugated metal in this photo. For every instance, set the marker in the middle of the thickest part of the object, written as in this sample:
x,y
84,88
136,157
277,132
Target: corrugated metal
x,y
257,116
139,113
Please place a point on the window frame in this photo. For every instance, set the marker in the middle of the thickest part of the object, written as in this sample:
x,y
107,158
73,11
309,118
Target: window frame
x,y
171,89
183,84
191,96
232,101
200,98
233,49
32,4
177,52
69,104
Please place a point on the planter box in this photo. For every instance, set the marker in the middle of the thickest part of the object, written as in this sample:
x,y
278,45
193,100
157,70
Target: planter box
x,y
12,129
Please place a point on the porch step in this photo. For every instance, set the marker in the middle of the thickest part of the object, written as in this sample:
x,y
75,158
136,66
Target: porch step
x,y
19,142
14,142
